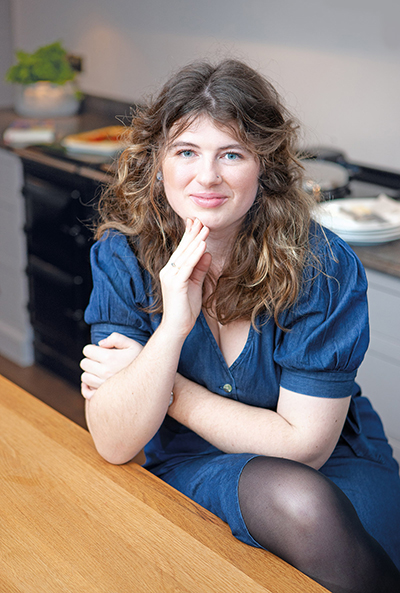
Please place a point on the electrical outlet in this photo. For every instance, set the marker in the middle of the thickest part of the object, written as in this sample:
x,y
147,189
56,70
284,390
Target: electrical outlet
x,y
76,62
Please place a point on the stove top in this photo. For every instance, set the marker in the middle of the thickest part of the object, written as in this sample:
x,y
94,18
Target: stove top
x,y
364,181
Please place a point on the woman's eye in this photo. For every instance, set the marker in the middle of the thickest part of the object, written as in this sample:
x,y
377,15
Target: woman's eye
x,y
232,156
186,153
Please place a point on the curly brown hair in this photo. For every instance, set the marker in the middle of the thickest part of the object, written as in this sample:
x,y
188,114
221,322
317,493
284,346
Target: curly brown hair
x,y
265,265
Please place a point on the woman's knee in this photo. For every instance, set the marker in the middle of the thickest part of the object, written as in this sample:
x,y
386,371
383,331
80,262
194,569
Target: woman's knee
x,y
303,517
273,489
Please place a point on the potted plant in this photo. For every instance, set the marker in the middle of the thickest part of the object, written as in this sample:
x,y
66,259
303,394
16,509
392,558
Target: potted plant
x,y
45,83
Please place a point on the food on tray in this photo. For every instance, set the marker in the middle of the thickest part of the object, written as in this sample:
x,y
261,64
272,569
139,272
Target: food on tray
x,y
107,141
362,213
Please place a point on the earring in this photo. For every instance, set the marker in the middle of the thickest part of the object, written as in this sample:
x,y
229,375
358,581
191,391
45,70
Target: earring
x,y
159,176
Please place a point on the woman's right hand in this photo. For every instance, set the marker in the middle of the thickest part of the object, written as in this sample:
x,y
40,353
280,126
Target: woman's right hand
x,y
182,280
130,406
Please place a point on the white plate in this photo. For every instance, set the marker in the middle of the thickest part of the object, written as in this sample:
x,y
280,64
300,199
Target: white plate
x,y
369,238
366,232
372,241
360,215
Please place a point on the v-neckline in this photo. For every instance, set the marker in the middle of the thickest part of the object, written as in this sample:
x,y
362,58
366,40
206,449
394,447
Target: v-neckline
x,y
218,349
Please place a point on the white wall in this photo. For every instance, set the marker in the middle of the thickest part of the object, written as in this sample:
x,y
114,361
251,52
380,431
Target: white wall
x,y
337,63
6,91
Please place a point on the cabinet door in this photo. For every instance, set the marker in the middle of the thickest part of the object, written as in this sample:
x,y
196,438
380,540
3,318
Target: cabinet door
x,y
379,374
60,211
55,233
57,305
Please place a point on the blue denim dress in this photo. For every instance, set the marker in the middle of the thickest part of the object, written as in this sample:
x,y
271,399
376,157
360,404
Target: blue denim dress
x,y
319,356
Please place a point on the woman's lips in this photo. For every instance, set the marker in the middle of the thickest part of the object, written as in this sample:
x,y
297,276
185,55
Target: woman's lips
x,y
209,200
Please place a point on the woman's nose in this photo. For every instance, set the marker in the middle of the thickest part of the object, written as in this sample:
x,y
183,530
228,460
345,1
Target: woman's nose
x,y
208,173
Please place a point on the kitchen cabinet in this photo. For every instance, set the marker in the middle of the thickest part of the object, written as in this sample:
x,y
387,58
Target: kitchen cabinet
x,y
60,211
15,328
379,374
45,277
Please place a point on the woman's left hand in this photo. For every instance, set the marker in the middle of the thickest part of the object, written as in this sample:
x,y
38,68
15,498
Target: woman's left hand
x,y
101,362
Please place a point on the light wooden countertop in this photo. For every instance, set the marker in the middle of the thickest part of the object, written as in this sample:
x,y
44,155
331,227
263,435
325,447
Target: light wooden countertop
x,y
72,522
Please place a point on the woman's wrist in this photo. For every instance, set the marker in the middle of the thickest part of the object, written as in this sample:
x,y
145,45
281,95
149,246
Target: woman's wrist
x,y
171,334
186,395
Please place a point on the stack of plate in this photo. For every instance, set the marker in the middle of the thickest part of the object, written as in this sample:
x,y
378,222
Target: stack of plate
x,y
362,221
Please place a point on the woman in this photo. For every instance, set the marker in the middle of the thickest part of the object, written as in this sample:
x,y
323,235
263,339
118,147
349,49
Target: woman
x,y
230,328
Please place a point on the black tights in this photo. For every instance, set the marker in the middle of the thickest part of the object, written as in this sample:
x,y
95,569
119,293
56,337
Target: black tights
x,y
301,516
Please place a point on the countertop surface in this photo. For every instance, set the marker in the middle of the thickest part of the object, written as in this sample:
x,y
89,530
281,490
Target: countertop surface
x,y
98,112
95,113
73,522
383,258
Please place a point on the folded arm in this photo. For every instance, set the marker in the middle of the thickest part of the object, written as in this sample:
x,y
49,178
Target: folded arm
x,y
303,428
125,411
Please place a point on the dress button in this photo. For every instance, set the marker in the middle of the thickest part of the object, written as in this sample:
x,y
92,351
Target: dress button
x,y
227,387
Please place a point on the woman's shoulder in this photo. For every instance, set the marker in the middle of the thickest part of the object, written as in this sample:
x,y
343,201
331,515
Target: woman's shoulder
x,y
323,239
114,249
330,253
328,324
113,261
333,276
121,288
113,242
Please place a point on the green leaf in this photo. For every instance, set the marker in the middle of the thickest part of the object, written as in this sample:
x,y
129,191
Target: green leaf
x,y
46,63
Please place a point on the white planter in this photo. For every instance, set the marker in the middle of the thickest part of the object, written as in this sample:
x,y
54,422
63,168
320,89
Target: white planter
x,y
45,99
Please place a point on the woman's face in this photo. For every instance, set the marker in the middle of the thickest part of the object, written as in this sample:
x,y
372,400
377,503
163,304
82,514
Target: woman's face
x,y
209,174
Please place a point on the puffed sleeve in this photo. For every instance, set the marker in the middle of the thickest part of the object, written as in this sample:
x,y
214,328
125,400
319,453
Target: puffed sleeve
x,y
328,327
120,291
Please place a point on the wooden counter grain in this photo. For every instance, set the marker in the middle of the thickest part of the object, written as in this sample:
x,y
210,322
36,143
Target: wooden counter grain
x,y
72,522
